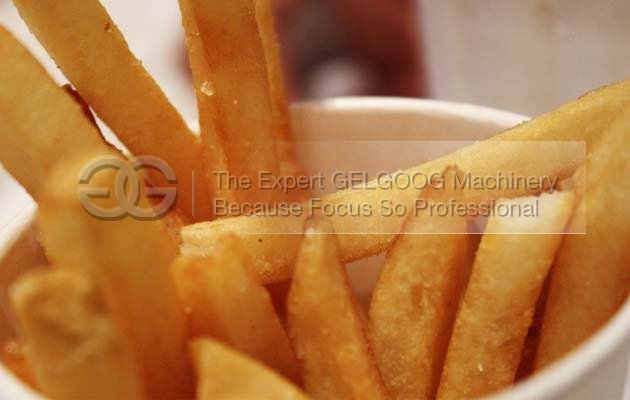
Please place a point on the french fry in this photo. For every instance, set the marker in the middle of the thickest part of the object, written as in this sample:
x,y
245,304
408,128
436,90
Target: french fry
x,y
73,347
129,260
498,307
90,50
225,374
213,154
324,324
591,277
238,90
225,300
32,143
415,299
582,120
281,118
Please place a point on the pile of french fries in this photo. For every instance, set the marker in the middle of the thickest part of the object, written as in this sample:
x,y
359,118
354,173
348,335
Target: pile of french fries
x,y
189,307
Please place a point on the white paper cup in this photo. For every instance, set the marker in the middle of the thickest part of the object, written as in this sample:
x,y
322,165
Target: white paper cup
x,y
596,370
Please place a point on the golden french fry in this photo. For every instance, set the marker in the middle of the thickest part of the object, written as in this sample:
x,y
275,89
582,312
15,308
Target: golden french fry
x,y
591,277
498,307
238,90
213,154
225,374
226,300
72,345
281,118
90,50
415,299
279,103
582,120
33,142
129,260
324,323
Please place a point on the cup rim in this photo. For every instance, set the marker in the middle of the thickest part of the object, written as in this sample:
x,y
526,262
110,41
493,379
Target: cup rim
x,y
551,381
468,111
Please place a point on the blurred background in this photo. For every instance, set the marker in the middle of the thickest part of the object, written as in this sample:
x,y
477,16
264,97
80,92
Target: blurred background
x,y
526,56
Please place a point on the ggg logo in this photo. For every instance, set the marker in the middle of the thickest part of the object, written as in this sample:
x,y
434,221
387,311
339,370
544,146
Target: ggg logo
x,y
127,189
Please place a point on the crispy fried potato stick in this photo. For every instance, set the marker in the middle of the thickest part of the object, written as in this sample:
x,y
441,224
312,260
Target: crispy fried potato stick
x,y
73,347
582,120
225,374
498,307
40,123
591,278
279,103
214,157
129,260
238,89
415,299
324,323
226,301
90,50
